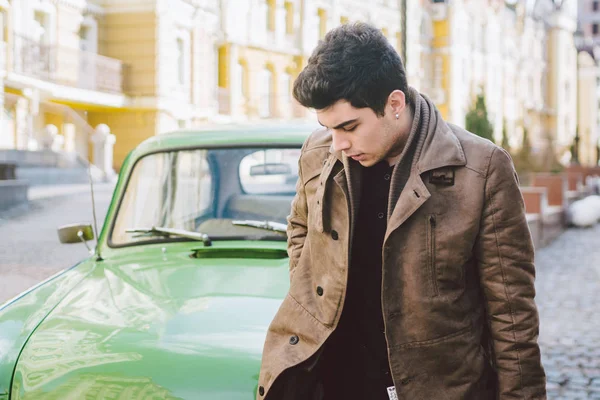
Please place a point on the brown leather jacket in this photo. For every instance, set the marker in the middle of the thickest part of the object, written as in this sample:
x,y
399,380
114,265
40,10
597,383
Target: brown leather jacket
x,y
458,274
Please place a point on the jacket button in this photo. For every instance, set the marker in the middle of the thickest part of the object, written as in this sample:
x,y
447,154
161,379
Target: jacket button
x,y
261,391
334,235
294,340
319,290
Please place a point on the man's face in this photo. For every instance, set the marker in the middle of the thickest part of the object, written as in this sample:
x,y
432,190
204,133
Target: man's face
x,y
360,133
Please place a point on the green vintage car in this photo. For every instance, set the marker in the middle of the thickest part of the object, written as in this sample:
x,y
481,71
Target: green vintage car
x,y
188,271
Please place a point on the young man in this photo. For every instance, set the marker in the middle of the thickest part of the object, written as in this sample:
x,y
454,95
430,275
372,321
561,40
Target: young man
x,y
411,262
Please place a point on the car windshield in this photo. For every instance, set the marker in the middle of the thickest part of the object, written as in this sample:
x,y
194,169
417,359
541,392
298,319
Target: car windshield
x,y
206,191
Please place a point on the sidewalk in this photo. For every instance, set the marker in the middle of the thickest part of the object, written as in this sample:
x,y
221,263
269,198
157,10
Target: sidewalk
x,y
30,250
43,195
46,192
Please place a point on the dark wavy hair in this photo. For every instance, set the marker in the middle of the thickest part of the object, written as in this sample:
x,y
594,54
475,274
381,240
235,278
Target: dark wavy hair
x,y
354,62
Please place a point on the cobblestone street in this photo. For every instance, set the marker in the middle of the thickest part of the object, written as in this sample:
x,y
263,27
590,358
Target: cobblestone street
x,y
568,295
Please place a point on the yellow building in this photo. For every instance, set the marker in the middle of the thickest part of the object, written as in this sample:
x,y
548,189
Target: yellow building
x,y
259,55
139,67
77,74
522,58
266,43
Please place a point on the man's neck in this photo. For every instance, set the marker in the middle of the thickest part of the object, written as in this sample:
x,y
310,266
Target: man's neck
x,y
402,141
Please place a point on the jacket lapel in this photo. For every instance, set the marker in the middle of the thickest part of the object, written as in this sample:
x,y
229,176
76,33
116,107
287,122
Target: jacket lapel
x,y
414,195
349,179
321,222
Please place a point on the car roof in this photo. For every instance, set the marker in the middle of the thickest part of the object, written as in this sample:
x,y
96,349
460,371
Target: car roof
x,y
276,134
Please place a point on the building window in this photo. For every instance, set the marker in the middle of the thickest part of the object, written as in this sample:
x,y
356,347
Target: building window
x,y
84,36
595,5
285,88
595,29
322,13
42,27
271,14
289,17
241,78
267,90
180,61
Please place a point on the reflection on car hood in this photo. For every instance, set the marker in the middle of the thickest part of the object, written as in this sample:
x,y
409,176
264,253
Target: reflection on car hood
x,y
163,326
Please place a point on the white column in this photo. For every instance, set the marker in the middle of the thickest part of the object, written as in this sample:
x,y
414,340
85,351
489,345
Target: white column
x,y
21,124
104,143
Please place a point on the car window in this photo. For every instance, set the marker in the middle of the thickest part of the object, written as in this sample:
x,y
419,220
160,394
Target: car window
x,y
205,190
165,189
270,171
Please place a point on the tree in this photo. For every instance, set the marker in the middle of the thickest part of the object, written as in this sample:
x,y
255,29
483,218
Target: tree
x,y
505,143
477,121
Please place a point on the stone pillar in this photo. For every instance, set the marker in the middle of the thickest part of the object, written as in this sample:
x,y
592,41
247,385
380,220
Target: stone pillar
x,y
21,115
33,97
69,133
104,143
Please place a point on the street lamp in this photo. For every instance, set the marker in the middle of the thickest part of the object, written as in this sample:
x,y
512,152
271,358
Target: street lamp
x,y
578,40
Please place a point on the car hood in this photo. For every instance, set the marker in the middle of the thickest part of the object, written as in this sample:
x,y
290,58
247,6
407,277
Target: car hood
x,y
157,323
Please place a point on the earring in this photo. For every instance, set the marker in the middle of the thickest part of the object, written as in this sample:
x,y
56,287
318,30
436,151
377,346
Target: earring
x,y
397,116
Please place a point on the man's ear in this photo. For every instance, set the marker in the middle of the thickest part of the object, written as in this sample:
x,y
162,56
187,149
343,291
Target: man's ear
x,y
397,101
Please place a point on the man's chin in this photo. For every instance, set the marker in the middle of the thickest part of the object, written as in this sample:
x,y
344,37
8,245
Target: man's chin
x,y
368,161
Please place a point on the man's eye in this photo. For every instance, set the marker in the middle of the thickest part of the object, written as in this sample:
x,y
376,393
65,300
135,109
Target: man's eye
x,y
350,129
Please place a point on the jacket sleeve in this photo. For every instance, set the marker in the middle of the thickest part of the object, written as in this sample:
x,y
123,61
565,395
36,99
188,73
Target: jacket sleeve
x,y
505,254
297,222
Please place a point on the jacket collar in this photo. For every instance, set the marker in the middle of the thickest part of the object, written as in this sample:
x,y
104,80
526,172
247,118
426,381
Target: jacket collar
x,y
437,147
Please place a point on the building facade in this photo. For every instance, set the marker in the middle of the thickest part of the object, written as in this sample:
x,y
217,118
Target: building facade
x,y
521,57
138,68
589,103
589,18
135,67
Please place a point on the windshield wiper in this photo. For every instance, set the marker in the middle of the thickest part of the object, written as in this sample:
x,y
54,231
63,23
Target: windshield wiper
x,y
266,225
173,232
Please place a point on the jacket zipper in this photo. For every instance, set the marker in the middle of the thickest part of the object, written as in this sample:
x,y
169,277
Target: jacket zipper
x,y
431,256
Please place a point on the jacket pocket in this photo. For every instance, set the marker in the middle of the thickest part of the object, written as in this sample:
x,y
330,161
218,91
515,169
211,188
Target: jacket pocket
x,y
431,254
449,367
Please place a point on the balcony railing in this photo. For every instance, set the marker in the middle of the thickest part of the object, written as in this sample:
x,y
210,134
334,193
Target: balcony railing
x,y
67,66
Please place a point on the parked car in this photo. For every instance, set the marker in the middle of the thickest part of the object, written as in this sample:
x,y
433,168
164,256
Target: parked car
x,y
175,300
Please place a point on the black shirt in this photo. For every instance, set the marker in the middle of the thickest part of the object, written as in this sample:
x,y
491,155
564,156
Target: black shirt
x,y
355,358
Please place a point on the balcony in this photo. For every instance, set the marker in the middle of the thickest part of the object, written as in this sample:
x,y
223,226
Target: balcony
x,y
65,66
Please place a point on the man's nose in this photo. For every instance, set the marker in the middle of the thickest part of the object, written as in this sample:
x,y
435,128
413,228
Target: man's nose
x,y
340,143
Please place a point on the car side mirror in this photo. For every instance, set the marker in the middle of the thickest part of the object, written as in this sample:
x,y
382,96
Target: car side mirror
x,y
75,233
